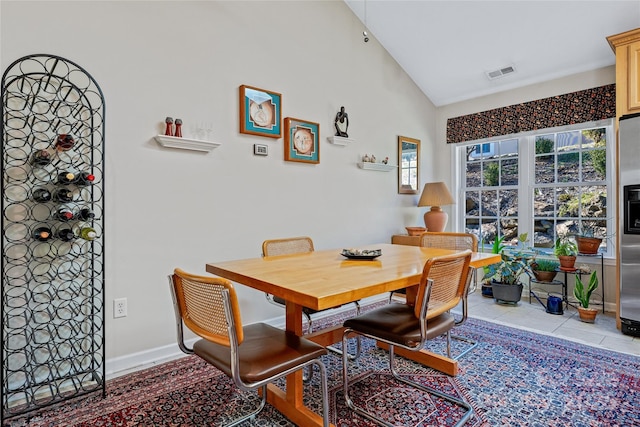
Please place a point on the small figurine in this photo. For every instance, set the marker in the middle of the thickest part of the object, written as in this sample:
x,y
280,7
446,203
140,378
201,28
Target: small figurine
x,y
386,160
342,123
178,132
365,158
373,158
169,129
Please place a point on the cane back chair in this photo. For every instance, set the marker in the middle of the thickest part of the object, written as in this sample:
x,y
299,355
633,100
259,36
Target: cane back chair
x,y
253,355
441,288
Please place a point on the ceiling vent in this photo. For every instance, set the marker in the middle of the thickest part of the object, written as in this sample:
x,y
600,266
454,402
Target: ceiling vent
x,y
501,72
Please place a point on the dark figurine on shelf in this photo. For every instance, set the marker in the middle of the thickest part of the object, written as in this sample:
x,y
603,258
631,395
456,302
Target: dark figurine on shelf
x,y
178,132
342,123
169,129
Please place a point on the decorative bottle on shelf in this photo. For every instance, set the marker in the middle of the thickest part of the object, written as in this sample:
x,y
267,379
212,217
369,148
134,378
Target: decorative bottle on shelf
x,y
63,195
41,195
85,214
84,179
64,142
42,234
66,178
88,233
63,214
66,235
168,130
40,158
178,132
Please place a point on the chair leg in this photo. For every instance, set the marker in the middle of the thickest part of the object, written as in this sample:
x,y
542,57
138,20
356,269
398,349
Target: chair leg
x,y
372,417
252,414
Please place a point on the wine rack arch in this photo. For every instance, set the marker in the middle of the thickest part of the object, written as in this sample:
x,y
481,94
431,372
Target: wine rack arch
x,y
52,289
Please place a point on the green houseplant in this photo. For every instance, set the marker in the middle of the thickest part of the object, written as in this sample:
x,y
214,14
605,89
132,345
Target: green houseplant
x,y
545,270
583,294
496,248
505,276
566,250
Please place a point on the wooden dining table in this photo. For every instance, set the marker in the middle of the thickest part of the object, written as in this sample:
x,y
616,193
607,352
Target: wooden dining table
x,y
326,279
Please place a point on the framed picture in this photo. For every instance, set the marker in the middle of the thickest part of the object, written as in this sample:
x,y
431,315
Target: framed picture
x,y
260,112
301,141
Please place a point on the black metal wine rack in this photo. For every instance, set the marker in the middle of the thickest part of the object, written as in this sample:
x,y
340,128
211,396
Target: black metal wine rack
x,y
52,291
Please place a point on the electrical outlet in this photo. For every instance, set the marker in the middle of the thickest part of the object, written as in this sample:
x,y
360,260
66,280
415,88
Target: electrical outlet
x,y
119,307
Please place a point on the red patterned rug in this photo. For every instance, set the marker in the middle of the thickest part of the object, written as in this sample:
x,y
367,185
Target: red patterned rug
x,y
513,378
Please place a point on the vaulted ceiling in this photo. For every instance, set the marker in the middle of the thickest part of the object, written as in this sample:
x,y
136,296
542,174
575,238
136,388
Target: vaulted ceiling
x,y
449,47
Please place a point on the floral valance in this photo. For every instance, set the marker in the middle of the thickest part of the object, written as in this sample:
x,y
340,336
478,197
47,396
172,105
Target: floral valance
x,y
577,107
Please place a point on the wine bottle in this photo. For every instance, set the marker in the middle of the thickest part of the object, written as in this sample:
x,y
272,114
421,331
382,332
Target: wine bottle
x,y
63,214
63,195
84,178
64,142
42,234
65,178
88,233
40,158
66,235
85,214
41,195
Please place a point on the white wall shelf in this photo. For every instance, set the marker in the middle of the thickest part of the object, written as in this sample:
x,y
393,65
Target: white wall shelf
x,y
376,166
340,140
186,143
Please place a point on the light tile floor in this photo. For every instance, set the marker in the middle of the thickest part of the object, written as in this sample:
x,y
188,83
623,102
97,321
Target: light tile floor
x,y
533,317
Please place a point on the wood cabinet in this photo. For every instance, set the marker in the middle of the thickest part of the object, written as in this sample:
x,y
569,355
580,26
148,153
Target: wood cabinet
x,y
626,47
405,239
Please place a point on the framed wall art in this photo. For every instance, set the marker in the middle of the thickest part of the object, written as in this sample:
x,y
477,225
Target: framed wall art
x,y
260,112
301,141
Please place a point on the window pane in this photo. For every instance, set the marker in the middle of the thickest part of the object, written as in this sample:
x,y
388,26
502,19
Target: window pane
x,y
491,173
543,234
594,165
489,203
509,229
544,169
508,203
568,202
489,230
544,144
568,141
568,167
473,174
509,175
594,202
544,202
472,203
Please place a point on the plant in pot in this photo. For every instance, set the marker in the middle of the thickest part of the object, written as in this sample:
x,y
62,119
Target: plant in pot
x,y
588,238
505,277
566,250
545,270
582,294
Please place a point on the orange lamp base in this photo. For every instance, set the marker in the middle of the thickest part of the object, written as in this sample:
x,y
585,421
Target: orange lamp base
x,y
435,219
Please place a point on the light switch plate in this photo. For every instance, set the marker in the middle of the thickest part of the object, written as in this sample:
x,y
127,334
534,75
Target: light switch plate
x,y
260,150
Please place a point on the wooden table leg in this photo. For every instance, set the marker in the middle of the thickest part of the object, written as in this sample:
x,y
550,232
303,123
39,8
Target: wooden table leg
x,y
427,358
290,403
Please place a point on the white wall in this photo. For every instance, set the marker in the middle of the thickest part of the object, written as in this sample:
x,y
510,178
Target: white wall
x,y
167,208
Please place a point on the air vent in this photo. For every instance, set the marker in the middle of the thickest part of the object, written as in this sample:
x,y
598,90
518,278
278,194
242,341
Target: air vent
x,y
501,72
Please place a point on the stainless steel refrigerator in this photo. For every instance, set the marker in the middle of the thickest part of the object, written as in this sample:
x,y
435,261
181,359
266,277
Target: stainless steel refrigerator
x,y
629,228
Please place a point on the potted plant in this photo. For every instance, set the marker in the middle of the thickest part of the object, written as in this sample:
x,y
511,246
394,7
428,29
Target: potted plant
x,y
505,277
586,238
545,270
582,294
566,250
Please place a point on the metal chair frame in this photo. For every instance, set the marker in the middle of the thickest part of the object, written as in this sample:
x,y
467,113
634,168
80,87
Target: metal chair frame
x,y
229,301
421,310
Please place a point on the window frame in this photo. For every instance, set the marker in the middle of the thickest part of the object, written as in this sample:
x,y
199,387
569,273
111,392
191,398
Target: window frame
x,y
527,185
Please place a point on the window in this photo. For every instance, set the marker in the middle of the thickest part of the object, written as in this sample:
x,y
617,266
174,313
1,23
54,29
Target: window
x,y
545,184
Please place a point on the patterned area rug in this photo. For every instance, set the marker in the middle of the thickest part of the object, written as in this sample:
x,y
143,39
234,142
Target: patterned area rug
x,y
512,378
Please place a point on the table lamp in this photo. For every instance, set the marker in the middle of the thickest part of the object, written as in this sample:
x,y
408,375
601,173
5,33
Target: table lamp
x,y
435,194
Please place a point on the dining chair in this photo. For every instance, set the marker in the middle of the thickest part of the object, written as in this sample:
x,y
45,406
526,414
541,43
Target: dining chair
x,y
456,241
441,288
252,355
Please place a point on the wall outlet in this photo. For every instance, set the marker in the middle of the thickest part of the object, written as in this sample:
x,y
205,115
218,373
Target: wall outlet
x,y
119,307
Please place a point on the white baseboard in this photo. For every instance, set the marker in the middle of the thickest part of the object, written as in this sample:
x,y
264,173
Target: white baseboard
x,y
122,365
